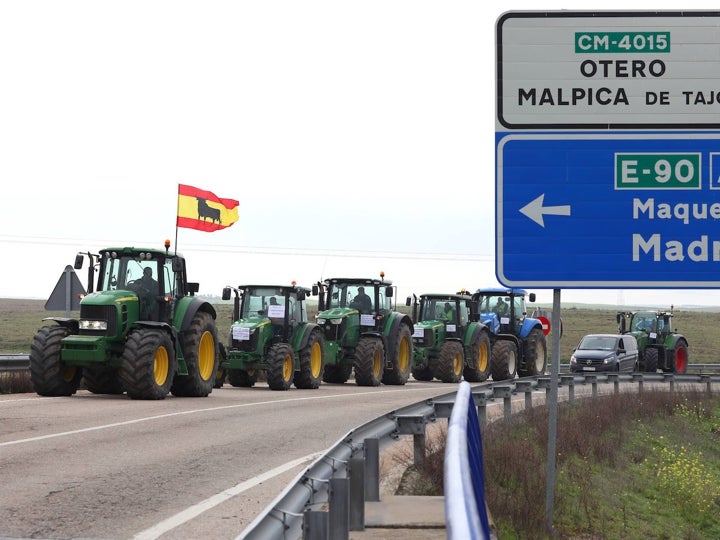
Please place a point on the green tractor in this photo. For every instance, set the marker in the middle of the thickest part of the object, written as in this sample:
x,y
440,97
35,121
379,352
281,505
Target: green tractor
x,y
449,341
271,333
659,346
142,332
363,331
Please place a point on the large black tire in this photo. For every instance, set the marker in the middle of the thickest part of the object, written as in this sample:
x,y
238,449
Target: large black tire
x,y
478,364
242,378
680,358
200,350
281,366
148,364
422,374
503,360
311,362
450,365
100,380
399,373
651,360
535,350
369,360
338,374
49,375
221,372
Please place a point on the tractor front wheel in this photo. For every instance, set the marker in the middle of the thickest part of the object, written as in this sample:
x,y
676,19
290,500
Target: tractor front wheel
x,y
478,368
100,380
450,366
148,364
338,374
242,378
369,356
281,366
311,362
503,360
535,350
651,360
48,373
680,358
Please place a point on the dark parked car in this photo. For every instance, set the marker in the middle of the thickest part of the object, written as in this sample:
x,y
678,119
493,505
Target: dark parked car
x,y
605,352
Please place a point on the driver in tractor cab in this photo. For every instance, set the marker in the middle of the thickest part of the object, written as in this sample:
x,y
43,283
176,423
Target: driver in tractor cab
x,y
501,308
362,301
148,291
448,313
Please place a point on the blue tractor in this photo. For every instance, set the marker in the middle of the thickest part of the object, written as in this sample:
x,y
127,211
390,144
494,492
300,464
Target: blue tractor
x,y
519,346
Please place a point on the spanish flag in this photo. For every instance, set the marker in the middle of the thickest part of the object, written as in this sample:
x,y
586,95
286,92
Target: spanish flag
x,y
203,210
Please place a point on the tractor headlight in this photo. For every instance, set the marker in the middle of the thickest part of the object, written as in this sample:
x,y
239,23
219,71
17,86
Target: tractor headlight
x,y
336,321
87,324
321,321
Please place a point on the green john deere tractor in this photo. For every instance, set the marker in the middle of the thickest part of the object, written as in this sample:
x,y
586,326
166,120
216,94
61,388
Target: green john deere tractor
x,y
364,332
659,345
271,333
449,342
142,331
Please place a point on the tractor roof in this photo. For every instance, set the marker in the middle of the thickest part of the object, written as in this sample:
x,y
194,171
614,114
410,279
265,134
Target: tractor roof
x,y
503,290
272,286
452,296
366,281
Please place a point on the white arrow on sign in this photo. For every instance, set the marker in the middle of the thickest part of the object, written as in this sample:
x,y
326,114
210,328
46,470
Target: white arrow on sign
x,y
535,210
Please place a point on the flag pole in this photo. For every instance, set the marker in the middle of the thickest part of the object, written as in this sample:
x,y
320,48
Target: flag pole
x,y
177,213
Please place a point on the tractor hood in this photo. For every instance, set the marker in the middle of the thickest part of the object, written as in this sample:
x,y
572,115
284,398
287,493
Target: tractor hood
x,y
104,298
491,321
336,313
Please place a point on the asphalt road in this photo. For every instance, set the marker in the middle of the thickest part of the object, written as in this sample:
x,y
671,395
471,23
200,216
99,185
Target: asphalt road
x,y
96,467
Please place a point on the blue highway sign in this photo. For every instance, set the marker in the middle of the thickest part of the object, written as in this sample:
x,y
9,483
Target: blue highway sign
x,y
613,210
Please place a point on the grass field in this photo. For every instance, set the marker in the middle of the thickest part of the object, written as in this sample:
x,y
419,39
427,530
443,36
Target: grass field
x,y
20,320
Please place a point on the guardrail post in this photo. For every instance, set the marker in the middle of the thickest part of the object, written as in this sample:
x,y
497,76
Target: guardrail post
x,y
481,405
527,387
670,377
592,379
569,380
315,525
504,392
707,380
638,378
615,378
357,494
339,508
372,469
545,382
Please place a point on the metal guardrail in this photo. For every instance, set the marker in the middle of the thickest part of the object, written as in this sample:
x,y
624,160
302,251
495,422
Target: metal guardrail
x,y
327,500
14,362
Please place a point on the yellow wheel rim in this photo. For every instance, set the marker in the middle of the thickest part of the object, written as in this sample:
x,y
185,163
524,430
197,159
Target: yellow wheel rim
x,y
316,359
161,366
377,363
483,358
68,373
206,356
288,367
404,355
458,363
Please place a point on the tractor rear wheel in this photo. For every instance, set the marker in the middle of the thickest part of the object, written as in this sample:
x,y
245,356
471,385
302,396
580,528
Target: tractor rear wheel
x,y
450,366
679,361
535,350
281,366
503,360
478,368
338,374
311,362
200,350
221,373
369,361
148,364
48,373
401,364
102,380
242,378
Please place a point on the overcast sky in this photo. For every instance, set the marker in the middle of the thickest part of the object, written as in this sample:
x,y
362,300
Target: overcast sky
x,y
357,136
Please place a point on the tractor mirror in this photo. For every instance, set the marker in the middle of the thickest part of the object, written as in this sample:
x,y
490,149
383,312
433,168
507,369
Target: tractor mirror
x,y
388,292
177,265
531,297
301,296
315,290
78,261
226,293
192,288
408,301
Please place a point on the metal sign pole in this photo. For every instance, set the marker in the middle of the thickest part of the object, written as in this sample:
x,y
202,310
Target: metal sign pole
x,y
553,410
